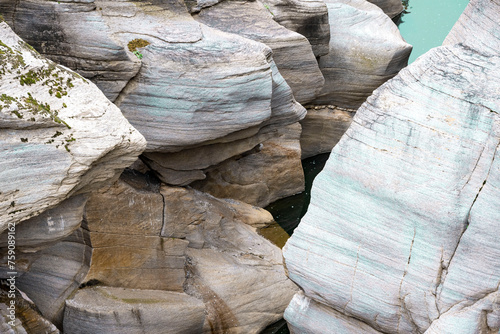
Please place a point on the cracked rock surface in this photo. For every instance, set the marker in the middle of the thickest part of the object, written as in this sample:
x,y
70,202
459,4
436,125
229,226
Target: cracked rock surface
x,y
391,7
59,134
401,231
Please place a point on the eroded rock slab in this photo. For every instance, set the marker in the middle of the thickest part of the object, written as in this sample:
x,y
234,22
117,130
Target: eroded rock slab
x,y
117,310
366,49
291,51
60,135
271,171
405,242
322,129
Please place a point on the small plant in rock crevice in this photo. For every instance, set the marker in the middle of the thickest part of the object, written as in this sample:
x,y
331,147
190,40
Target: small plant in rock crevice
x,y
137,43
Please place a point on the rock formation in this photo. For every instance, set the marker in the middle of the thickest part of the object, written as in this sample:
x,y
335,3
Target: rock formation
x,y
366,49
391,7
79,138
399,237
148,57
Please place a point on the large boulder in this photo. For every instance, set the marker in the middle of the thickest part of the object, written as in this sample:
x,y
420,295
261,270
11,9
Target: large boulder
x,y
60,135
291,51
366,49
270,171
146,235
401,230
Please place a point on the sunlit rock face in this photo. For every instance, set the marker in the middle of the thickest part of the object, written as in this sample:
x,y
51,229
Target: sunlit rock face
x,y
60,135
366,50
400,234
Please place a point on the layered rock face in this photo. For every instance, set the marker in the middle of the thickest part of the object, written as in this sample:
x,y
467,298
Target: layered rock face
x,y
366,49
399,237
61,135
213,91
390,7
146,235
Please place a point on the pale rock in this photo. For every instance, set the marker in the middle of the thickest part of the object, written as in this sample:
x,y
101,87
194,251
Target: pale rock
x,y
60,135
106,310
366,49
391,7
307,316
21,317
47,228
306,17
322,129
50,276
291,51
271,171
401,231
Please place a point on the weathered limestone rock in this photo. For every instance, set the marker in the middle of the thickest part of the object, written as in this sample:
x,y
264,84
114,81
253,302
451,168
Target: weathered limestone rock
x,y
366,49
390,7
271,171
60,135
151,236
49,227
50,276
199,83
307,17
291,51
21,317
322,128
124,223
105,310
407,243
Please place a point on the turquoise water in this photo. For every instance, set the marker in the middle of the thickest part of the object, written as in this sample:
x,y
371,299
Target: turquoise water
x,y
427,22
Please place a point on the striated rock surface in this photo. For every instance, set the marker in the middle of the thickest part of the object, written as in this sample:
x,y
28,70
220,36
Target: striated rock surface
x,y
400,233
307,17
60,135
272,170
366,49
291,51
146,235
105,310
391,7
50,276
322,129
22,316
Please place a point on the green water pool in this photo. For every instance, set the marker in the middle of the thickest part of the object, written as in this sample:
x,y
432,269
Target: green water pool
x,y
425,23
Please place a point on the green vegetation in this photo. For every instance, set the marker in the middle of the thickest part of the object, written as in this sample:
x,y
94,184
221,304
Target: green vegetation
x,y
133,45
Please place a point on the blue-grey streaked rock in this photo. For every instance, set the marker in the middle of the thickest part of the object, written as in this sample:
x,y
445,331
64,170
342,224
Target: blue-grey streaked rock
x,y
291,51
391,7
401,231
59,134
307,17
366,49
106,310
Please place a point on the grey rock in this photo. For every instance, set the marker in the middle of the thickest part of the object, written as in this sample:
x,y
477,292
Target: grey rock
x,y
391,7
18,315
106,310
49,227
306,17
61,135
50,276
271,171
322,129
399,233
291,51
366,49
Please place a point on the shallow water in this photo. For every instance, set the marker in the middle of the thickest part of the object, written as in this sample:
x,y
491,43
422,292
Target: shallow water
x,y
427,22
